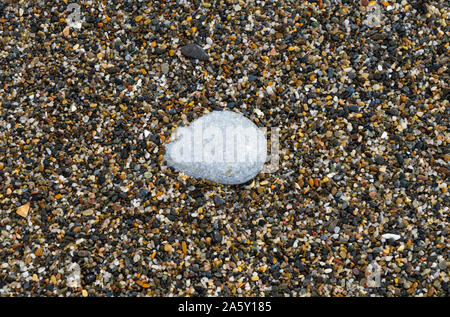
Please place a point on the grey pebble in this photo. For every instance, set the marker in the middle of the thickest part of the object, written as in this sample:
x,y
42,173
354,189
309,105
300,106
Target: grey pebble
x,y
165,68
195,51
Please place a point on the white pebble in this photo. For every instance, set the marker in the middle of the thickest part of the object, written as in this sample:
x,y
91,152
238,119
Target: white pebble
x,y
222,146
391,236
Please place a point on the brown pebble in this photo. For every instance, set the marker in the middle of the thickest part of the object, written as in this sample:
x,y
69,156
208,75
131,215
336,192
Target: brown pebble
x,y
334,191
66,31
168,247
38,252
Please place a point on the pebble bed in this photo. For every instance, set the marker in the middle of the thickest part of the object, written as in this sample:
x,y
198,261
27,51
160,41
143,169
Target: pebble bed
x,y
88,206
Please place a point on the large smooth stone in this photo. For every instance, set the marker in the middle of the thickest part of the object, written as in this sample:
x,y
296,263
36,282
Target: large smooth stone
x,y
195,51
221,146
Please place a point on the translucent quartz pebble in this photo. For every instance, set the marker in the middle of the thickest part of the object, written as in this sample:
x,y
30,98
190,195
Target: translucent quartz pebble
x,y
221,146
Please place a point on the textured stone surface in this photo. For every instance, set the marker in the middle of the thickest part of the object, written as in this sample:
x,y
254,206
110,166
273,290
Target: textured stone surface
x,y
222,146
193,50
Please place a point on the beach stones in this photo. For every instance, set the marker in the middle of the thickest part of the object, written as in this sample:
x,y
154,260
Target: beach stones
x,y
222,146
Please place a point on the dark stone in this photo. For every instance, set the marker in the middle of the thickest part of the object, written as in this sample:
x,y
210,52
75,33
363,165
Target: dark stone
x,y
193,50
218,201
399,158
217,237
330,73
200,290
299,265
123,195
84,253
113,70
156,223
90,278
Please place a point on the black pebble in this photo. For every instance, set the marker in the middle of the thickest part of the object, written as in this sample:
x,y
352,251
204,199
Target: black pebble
x,y
193,50
90,278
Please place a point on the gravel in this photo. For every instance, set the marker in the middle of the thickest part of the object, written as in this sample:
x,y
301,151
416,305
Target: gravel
x,y
360,104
